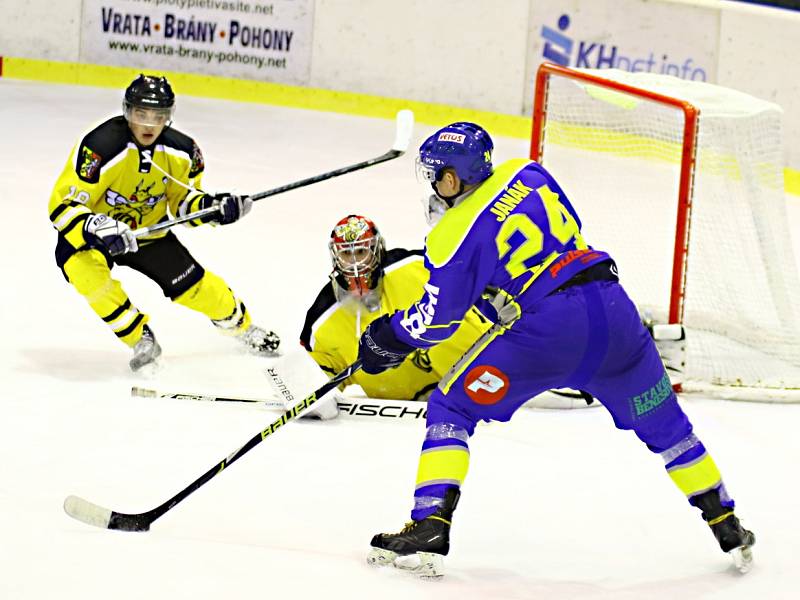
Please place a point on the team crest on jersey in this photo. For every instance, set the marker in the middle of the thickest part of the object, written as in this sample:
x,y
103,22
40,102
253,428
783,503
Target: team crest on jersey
x,y
90,163
486,384
132,209
197,161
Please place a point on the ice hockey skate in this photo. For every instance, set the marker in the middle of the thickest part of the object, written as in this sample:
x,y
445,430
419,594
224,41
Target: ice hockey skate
x,y
735,540
728,531
146,350
421,545
260,341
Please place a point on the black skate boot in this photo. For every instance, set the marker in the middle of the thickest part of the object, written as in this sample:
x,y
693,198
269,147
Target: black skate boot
x,y
731,536
427,540
146,350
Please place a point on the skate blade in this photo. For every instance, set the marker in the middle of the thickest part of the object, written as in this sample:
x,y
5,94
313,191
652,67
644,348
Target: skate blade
x,y
378,557
742,558
425,565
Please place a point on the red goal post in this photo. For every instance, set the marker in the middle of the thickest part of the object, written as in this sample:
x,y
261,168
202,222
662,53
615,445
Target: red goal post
x,y
684,200
682,182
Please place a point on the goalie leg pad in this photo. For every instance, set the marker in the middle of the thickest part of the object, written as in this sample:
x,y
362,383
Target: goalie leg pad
x,y
670,341
294,377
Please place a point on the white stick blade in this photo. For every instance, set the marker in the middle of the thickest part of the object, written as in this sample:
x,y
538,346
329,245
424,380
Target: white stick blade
x,y
405,129
87,512
138,392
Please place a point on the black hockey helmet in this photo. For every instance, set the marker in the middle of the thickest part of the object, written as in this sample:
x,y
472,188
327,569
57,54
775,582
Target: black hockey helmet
x,y
152,94
150,91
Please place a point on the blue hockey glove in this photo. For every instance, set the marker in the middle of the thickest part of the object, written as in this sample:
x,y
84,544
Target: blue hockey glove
x,y
231,207
379,349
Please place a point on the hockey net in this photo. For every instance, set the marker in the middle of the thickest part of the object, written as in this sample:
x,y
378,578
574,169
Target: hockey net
x,y
682,182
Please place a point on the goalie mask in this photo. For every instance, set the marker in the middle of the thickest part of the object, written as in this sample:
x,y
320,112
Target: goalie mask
x,y
357,251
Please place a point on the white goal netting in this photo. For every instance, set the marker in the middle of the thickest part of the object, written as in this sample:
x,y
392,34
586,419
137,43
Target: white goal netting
x,y
618,158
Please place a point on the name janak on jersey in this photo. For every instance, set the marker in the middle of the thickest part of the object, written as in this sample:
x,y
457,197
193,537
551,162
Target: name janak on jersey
x,y
513,195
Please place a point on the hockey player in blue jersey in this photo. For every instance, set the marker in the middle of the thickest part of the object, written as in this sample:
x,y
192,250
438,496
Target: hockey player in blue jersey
x,y
508,241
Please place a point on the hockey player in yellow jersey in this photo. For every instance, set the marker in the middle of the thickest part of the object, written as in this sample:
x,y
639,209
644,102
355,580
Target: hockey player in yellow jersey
x,y
135,171
368,281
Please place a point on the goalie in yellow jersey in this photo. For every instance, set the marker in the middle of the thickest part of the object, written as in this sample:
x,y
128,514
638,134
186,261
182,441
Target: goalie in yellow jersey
x,y
368,281
130,172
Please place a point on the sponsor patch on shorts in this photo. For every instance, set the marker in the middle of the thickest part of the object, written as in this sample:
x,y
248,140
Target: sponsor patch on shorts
x,y
486,384
651,399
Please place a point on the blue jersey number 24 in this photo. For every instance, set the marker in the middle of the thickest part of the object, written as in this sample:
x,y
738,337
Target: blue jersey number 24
x,y
563,231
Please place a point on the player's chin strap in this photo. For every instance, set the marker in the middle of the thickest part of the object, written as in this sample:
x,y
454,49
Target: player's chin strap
x,y
436,205
147,158
211,210
404,129
450,201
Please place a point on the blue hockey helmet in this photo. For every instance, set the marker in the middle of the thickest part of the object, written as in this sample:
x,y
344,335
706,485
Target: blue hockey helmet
x,y
463,146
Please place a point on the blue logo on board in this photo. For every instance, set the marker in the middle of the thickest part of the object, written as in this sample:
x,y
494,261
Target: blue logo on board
x,y
564,50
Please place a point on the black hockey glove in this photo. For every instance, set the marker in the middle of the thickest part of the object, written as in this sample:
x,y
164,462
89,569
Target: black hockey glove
x,y
230,206
379,349
116,236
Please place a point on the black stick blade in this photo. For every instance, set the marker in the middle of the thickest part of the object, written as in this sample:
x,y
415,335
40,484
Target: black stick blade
x,y
93,514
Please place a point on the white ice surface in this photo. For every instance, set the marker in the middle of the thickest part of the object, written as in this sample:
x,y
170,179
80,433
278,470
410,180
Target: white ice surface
x,y
557,504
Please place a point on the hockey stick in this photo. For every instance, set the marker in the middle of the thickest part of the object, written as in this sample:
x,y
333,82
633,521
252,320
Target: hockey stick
x,y
351,407
138,392
383,408
404,130
93,514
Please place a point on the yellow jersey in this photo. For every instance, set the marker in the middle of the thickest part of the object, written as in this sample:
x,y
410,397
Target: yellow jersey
x,y
332,330
108,172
